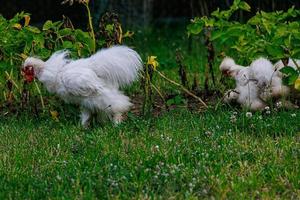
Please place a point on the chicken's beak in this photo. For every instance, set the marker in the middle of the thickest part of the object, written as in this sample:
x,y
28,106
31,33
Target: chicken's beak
x,y
226,73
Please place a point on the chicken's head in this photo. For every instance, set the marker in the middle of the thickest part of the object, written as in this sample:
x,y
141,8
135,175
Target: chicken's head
x,y
229,68
226,66
31,68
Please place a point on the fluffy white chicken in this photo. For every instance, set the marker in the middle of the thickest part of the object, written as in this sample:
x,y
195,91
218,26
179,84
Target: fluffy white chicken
x,y
93,83
255,84
246,92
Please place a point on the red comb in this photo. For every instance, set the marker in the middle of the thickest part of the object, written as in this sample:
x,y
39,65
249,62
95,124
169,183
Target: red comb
x,y
28,73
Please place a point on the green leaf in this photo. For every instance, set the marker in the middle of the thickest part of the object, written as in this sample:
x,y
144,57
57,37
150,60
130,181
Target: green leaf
x,y
217,35
43,53
67,45
32,29
290,75
170,102
65,32
288,70
245,6
81,35
48,25
275,51
177,100
195,27
109,28
296,53
84,38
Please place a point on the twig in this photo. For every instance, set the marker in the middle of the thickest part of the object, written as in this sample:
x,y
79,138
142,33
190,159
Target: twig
x,y
296,63
183,88
222,99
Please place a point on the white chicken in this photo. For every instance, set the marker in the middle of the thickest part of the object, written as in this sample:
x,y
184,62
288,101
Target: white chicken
x,y
255,84
93,83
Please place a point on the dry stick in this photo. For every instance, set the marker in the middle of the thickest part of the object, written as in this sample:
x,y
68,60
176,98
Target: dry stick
x,y
210,57
183,88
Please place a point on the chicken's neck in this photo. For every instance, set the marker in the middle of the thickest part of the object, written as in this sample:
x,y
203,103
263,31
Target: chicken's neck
x,y
50,76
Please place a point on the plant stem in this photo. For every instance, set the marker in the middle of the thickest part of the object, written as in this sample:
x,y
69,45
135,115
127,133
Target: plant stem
x,y
40,94
183,88
157,90
92,33
294,61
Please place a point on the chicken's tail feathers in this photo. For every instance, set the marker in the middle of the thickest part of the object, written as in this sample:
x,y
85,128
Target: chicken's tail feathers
x,y
59,58
118,65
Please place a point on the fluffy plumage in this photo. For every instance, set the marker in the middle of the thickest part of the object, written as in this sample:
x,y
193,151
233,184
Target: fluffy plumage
x,y
246,86
228,67
255,84
94,82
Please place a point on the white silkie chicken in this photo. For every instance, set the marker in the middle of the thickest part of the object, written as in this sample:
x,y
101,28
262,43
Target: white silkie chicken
x,y
93,83
246,92
254,84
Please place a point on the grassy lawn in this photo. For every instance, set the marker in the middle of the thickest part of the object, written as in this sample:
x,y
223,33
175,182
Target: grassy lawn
x,y
222,153
179,154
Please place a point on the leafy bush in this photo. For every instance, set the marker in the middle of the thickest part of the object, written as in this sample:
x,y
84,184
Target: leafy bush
x,y
274,34
18,40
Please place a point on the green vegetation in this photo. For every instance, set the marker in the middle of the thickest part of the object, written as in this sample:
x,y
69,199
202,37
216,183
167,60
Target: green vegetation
x,y
188,152
180,154
177,155
274,35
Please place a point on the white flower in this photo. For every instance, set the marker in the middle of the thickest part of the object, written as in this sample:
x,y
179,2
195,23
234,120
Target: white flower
x,y
279,104
268,112
232,118
267,108
208,133
248,114
293,115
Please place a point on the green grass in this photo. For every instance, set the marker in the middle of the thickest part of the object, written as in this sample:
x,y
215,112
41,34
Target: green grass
x,y
180,154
